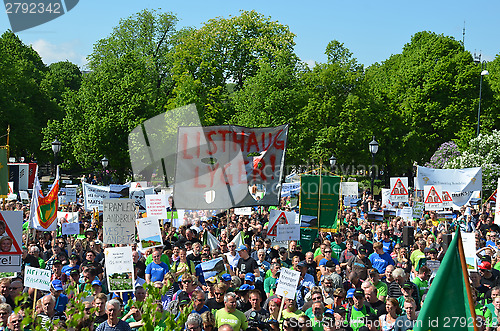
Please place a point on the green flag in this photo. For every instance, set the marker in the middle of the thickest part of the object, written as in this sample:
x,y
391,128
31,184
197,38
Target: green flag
x,y
4,173
446,306
318,208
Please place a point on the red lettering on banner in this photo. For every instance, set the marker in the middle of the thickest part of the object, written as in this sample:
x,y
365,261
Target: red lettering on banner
x,y
272,158
185,155
196,176
270,141
211,150
279,144
252,141
227,177
224,133
242,173
258,170
240,141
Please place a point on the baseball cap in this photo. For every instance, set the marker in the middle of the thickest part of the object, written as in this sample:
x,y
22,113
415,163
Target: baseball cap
x,y
241,248
74,272
246,287
183,298
407,286
57,262
73,257
362,250
330,264
302,264
339,292
350,293
57,285
97,242
485,265
96,282
226,277
373,271
250,277
359,293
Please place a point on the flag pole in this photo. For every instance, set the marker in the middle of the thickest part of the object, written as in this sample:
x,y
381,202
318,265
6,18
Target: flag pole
x,y
466,280
319,192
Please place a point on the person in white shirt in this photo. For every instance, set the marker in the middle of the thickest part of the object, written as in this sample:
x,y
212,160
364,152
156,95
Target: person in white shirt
x,y
232,255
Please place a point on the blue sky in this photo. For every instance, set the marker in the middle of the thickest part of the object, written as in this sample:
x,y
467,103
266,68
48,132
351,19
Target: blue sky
x,y
372,30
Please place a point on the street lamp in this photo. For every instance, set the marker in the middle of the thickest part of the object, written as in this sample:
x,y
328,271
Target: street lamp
x,y
373,145
333,161
56,148
104,162
484,72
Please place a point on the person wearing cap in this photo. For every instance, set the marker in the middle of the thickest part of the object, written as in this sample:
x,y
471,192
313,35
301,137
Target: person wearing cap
x,y
230,315
90,261
488,277
306,283
73,265
407,289
358,311
246,264
327,257
56,289
96,286
360,263
242,300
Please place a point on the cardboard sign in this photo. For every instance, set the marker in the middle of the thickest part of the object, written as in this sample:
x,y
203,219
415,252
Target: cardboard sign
x,y
432,197
399,189
287,283
156,205
70,228
119,269
37,278
94,195
118,221
10,241
349,188
149,232
287,232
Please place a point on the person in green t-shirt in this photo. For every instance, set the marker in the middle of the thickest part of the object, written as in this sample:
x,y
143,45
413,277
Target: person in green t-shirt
x,y
374,278
422,280
359,311
270,282
337,245
418,253
230,315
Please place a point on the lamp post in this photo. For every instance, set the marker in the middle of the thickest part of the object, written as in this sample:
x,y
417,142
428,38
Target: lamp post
x,y
333,161
484,72
104,162
373,145
56,148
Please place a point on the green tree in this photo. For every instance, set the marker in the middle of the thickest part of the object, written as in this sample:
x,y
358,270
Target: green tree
x,y
61,77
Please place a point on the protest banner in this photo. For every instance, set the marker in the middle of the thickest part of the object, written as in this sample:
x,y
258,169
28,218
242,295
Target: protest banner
x,y
119,269
118,221
93,195
349,188
399,189
432,197
290,189
321,203
119,191
213,268
287,232
139,197
229,166
287,283
37,278
460,183
10,240
70,228
43,210
156,205
149,232
243,211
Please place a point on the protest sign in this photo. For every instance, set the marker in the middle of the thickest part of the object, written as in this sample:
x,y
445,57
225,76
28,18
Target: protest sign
x,y
432,197
70,228
287,232
229,166
25,198
118,221
156,205
290,189
67,217
243,211
37,278
10,241
287,283
349,188
319,197
213,268
277,217
119,269
399,189
93,196
406,213
149,232
460,183
469,244
418,209
139,197
386,197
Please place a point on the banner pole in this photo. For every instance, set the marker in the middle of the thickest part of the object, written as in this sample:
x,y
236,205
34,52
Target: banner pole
x,y
34,303
466,279
319,193
281,308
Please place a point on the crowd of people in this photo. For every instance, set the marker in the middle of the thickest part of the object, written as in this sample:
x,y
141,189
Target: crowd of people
x,y
365,276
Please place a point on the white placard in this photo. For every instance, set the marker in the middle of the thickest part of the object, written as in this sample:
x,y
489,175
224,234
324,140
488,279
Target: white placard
x,y
70,194
94,195
37,278
67,217
287,232
70,228
497,205
399,189
287,283
386,198
119,269
349,188
469,243
280,217
139,196
24,196
149,232
432,197
134,185
11,241
118,221
156,205
418,209
243,211
406,213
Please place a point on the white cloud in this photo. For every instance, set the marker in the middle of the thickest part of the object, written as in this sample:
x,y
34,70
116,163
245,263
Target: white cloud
x,y
310,63
51,53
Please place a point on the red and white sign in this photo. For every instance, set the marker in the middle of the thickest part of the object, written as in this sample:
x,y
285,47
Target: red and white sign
x,y
432,197
399,189
447,200
156,205
10,240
